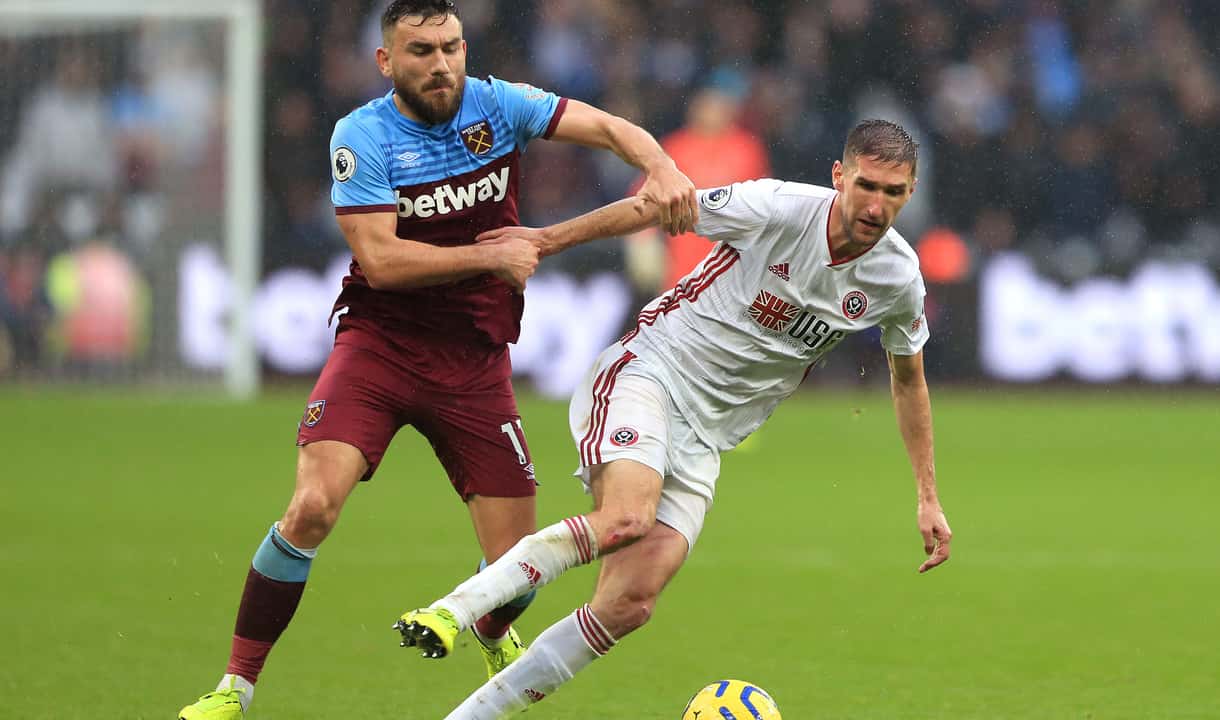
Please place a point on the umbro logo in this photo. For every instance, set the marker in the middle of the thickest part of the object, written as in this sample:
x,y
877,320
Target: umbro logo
x,y
531,573
409,159
780,271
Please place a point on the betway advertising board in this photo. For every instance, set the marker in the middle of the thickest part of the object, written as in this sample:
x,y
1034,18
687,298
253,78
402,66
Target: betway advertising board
x,y
1160,324
566,324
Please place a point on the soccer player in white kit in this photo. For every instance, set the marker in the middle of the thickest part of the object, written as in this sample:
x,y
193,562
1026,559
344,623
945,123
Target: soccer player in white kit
x,y
796,268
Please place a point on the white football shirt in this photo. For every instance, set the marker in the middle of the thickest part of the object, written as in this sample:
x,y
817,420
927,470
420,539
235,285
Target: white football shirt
x,y
740,332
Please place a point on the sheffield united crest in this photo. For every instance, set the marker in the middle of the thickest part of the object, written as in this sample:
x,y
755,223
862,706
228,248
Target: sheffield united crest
x,y
478,137
854,304
624,437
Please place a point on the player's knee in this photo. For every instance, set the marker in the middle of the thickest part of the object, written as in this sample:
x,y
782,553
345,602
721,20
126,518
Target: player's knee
x,y
630,611
623,528
311,516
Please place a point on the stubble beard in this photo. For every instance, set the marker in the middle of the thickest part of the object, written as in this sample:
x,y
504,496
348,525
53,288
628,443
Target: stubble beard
x,y
847,228
852,237
431,111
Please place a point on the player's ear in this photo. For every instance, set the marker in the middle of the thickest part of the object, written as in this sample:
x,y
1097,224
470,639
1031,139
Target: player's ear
x,y
383,62
836,175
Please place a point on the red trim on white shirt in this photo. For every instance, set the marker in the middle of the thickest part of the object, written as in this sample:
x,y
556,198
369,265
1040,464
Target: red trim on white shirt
x,y
724,259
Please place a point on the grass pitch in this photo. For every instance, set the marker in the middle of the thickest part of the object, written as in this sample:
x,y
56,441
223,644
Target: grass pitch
x,y
1083,584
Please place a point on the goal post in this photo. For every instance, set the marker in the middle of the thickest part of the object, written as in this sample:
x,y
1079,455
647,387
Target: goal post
x,y
243,109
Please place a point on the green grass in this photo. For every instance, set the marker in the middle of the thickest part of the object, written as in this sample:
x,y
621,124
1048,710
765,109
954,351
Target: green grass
x,y
1084,582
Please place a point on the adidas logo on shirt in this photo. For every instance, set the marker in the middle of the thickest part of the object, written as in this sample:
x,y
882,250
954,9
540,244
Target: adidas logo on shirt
x,y
780,271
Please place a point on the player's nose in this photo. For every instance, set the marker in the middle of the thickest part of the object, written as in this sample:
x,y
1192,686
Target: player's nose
x,y
441,65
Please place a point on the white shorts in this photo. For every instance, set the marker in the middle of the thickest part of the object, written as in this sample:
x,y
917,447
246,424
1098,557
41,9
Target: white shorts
x,y
621,412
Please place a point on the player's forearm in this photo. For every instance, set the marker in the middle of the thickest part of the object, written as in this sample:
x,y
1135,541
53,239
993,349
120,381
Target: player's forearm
x,y
913,408
635,145
400,264
614,220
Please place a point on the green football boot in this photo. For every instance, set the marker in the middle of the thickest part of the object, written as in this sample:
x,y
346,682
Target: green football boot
x,y
501,654
217,705
432,630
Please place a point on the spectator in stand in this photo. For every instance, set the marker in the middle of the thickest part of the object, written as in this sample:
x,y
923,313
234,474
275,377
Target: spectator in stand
x,y
713,150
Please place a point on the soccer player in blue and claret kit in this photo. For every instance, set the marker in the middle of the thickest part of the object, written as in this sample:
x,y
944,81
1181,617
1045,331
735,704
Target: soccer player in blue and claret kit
x,y
426,313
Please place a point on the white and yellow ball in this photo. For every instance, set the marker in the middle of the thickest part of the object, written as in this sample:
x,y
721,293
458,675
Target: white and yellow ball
x,y
731,700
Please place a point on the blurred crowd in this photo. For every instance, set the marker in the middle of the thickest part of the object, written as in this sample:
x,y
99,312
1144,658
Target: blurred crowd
x,y
1086,133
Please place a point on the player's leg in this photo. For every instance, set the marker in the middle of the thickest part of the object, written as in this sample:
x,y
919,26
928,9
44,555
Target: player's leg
x,y
342,437
631,581
478,437
534,561
499,524
627,589
500,496
613,416
275,582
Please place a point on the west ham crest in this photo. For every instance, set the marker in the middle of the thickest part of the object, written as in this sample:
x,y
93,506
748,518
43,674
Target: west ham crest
x,y
313,413
478,137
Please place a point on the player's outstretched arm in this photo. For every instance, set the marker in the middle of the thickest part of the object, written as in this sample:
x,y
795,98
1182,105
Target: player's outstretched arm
x,y
664,184
393,263
913,408
616,219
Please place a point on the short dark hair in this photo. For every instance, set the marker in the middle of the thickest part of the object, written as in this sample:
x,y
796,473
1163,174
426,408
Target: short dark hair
x,y
426,9
881,140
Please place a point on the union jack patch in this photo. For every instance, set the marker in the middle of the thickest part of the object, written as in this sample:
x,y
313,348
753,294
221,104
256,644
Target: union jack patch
x,y
313,413
772,312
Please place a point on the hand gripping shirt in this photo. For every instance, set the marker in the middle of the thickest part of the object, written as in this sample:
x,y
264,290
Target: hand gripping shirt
x,y
742,330
447,183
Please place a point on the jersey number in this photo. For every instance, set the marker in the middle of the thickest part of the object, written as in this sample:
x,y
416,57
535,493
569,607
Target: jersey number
x,y
507,429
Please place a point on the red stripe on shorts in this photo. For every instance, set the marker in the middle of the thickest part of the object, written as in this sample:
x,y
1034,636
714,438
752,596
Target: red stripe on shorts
x,y
589,452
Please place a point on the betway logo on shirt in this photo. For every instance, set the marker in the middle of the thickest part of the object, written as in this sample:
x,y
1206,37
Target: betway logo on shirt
x,y
446,199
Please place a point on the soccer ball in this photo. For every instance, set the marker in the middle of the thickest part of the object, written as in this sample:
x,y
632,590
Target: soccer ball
x,y
731,700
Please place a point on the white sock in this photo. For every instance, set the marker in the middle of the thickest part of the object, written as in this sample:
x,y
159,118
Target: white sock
x,y
237,682
561,651
533,562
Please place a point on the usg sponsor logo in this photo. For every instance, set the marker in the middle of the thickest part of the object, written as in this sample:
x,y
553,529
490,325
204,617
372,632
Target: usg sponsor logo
x,y
445,199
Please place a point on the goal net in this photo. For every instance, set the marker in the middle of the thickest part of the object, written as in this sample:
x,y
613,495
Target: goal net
x,y
129,149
